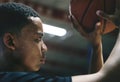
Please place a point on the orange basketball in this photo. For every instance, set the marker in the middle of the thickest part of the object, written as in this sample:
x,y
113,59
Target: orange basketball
x,y
85,12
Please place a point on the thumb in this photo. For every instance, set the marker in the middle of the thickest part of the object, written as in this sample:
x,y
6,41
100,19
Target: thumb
x,y
98,28
105,16
112,18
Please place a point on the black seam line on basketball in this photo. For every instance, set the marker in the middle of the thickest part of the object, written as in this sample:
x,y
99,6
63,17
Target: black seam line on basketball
x,y
86,11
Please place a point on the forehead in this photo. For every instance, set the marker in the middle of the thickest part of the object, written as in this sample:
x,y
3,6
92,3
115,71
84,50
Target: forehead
x,y
33,28
36,21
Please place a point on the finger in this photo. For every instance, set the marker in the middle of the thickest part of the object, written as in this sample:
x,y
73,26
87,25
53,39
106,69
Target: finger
x,y
77,26
103,25
99,28
105,16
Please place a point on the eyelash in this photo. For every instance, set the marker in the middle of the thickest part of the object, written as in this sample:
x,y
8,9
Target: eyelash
x,y
38,40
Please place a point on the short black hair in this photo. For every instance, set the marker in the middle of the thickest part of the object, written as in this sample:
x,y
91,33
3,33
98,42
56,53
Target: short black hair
x,y
14,16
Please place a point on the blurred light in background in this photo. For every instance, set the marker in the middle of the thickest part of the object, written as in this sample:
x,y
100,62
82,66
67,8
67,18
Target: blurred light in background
x,y
57,31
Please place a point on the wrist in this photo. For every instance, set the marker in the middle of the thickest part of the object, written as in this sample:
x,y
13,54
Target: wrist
x,y
97,41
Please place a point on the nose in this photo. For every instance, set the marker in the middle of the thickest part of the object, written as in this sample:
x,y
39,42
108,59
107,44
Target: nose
x,y
44,47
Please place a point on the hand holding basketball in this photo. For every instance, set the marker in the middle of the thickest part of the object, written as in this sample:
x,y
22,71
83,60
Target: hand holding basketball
x,y
108,21
94,37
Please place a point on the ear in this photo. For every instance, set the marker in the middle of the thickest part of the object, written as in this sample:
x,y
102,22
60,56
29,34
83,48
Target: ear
x,y
8,40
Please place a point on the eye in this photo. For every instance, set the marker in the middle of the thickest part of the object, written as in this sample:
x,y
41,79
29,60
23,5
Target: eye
x,y
37,40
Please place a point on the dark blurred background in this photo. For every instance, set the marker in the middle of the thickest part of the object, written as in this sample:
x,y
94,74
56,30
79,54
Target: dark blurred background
x,y
68,54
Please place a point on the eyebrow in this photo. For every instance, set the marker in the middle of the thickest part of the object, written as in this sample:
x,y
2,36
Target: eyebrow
x,y
40,33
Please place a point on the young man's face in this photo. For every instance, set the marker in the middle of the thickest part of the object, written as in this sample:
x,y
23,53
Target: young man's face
x,y
30,47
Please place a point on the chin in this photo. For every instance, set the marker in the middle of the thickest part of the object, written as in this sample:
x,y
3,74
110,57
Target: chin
x,y
37,68
33,69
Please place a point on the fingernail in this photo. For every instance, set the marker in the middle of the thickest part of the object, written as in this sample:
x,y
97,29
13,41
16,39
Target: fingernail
x,y
98,23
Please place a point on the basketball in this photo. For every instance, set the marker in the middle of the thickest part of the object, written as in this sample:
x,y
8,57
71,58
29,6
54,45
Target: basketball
x,y
85,12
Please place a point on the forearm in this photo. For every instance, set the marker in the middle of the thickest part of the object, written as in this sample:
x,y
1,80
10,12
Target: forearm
x,y
88,78
96,64
111,68
97,57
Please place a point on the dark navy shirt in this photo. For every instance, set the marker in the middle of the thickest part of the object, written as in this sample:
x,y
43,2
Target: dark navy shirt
x,y
30,77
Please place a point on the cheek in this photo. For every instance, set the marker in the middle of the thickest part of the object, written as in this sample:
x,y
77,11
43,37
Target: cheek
x,y
32,60
31,55
30,51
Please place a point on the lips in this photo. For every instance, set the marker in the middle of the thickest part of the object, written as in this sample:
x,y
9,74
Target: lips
x,y
42,61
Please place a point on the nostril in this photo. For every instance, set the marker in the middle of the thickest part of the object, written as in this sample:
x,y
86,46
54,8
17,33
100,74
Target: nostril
x,y
44,47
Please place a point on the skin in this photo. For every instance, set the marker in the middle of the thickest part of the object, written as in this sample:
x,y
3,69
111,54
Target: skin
x,y
110,70
97,58
25,52
95,39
